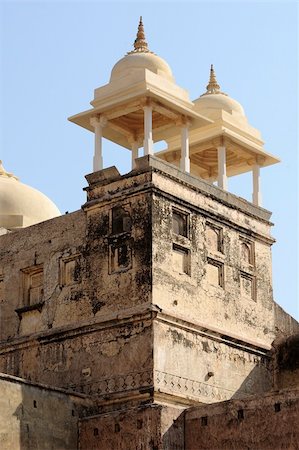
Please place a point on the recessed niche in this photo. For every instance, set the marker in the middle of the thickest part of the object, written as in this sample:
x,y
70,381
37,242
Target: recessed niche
x,y
121,220
248,289
69,270
214,238
120,257
241,414
215,272
33,279
180,259
247,251
1,288
204,421
179,223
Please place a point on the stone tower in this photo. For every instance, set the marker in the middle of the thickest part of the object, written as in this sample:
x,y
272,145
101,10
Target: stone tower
x,y
157,294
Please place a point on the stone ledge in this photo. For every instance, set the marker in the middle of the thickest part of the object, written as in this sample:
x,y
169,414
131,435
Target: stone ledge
x,y
17,380
145,163
231,339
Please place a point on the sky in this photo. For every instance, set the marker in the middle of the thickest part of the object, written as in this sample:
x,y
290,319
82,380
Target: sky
x,y
53,54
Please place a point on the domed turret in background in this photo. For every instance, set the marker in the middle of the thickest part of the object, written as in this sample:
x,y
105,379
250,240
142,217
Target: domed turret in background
x,y
22,205
226,147
213,101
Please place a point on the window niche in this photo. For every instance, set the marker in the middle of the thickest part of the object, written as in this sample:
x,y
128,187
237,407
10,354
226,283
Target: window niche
x,y
120,244
181,259
215,272
33,287
120,220
214,238
120,257
247,252
248,286
70,270
179,223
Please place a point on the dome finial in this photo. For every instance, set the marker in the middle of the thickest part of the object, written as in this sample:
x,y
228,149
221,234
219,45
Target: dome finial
x,y
213,86
140,44
4,173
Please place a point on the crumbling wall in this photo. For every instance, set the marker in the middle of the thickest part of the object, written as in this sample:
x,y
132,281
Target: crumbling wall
x,y
118,254
75,296
150,427
36,417
265,423
217,273
42,247
285,362
193,365
103,361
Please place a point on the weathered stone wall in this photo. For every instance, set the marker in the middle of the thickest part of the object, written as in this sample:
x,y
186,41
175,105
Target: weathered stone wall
x,y
265,423
190,364
37,417
88,268
285,362
89,326
150,427
196,293
78,294
99,360
44,244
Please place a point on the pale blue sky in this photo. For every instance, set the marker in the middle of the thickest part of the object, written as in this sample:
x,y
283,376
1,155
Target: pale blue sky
x,y
53,54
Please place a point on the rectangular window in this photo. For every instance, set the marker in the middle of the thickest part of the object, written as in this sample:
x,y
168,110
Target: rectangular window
x,y
33,279
179,223
248,286
215,272
120,257
247,251
214,238
121,220
180,259
69,270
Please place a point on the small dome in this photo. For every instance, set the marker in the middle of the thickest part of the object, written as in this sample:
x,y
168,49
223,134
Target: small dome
x,y
22,205
140,60
212,102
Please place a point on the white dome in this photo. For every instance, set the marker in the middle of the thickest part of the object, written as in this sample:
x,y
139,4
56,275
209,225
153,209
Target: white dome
x,y
141,60
212,102
22,205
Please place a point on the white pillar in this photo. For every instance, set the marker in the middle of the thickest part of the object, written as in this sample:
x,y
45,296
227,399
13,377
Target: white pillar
x,y
98,124
148,130
256,181
134,148
185,158
222,178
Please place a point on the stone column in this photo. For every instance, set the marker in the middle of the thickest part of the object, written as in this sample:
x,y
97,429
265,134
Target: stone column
x,y
256,182
148,130
222,178
134,148
98,123
185,158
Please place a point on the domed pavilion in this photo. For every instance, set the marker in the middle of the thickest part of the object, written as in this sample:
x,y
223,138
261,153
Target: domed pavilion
x,y
209,138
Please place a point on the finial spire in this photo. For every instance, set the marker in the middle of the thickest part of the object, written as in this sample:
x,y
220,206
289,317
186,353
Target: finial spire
x,y
4,173
213,86
140,44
